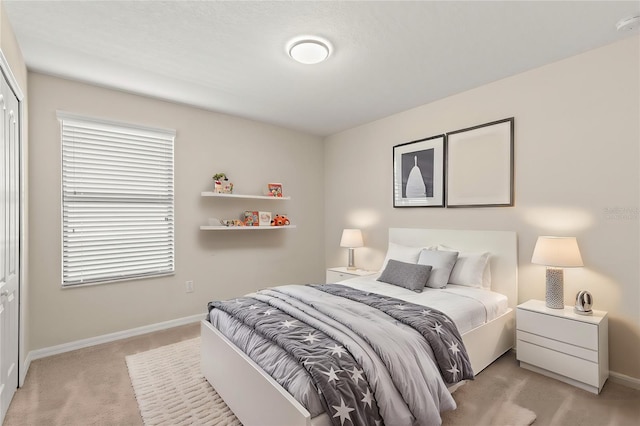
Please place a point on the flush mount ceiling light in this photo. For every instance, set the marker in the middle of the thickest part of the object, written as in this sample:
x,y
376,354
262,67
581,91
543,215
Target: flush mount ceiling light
x,y
629,23
309,50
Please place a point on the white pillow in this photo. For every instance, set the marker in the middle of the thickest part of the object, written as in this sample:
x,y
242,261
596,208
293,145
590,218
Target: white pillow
x,y
442,264
407,254
471,269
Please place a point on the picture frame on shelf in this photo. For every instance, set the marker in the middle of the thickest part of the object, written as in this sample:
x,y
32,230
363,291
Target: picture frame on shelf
x,y
250,218
418,173
264,218
274,190
480,165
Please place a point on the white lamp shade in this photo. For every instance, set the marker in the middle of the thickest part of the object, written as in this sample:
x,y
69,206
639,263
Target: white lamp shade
x,y
561,252
351,238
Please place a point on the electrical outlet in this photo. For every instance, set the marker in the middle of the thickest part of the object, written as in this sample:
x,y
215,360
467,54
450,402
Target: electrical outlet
x,y
189,286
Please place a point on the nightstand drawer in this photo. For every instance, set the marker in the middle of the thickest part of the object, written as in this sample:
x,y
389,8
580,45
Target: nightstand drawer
x,y
341,273
559,363
334,276
577,351
564,330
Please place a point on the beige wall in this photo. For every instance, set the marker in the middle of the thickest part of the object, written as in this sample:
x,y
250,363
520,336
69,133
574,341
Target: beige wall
x,y
222,264
577,130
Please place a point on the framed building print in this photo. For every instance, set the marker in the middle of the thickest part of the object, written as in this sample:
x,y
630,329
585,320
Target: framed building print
x,y
480,165
418,173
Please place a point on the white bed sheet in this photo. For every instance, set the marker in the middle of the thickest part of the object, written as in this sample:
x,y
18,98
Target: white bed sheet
x,y
468,307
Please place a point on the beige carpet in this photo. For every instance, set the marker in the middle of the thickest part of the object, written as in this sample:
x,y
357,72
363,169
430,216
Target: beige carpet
x,y
92,387
171,390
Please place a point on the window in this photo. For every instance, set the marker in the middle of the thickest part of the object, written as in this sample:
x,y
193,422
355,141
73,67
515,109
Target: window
x,y
117,201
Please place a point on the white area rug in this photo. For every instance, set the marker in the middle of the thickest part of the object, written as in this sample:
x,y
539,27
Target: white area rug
x,y
171,390
510,414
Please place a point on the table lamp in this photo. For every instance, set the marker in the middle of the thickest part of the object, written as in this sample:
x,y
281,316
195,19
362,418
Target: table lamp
x,y
351,238
556,253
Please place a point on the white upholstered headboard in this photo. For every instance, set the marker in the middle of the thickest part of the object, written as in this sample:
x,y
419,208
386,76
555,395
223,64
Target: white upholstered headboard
x,y
502,245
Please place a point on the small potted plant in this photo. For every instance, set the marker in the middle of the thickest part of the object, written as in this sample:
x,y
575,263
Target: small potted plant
x,y
222,184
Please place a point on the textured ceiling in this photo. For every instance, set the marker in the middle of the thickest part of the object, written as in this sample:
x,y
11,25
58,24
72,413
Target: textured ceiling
x,y
230,56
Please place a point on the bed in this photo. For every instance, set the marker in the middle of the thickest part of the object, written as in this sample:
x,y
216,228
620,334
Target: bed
x,y
257,399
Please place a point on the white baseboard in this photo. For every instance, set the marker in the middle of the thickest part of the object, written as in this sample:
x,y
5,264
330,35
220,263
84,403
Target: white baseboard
x,y
24,367
106,338
624,380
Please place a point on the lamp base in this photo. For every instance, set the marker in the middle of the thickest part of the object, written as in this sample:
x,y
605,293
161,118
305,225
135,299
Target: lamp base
x,y
555,288
352,266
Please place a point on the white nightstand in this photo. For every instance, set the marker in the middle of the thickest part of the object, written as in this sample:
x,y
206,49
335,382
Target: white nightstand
x,y
564,345
342,273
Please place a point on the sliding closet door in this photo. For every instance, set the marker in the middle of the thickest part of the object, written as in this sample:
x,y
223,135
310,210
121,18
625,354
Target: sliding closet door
x,y
9,244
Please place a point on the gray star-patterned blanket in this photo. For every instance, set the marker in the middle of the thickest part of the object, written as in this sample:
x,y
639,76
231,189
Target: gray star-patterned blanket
x,y
370,357
436,327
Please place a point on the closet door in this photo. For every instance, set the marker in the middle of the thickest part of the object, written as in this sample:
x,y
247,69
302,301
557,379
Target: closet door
x,y
9,244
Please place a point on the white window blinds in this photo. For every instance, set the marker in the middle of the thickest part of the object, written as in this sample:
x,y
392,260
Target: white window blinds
x,y
117,201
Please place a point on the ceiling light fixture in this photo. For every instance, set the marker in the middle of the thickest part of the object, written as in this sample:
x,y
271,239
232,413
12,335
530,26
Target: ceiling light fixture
x,y
629,23
309,50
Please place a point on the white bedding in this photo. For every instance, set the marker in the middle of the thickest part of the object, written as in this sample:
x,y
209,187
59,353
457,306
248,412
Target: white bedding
x,y
468,307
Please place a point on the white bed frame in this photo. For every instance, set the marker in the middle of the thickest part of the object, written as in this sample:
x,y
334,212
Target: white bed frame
x,y
257,399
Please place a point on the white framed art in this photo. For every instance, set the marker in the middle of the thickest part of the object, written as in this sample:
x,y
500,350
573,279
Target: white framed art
x,y
480,165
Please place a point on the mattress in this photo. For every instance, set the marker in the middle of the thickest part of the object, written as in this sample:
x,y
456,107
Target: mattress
x,y
468,307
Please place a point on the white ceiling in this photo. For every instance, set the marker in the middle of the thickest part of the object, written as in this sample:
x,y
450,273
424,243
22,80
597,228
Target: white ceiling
x,y
230,56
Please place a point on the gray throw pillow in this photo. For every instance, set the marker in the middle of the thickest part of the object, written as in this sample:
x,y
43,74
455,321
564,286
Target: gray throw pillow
x,y
408,275
442,263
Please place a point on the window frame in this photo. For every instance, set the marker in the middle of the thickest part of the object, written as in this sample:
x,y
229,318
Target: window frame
x,y
165,201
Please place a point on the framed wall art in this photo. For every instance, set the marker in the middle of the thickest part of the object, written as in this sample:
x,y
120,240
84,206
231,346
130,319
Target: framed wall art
x,y
418,173
480,165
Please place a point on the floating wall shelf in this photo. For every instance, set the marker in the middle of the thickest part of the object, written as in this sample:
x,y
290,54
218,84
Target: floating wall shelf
x,y
243,197
253,197
243,228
